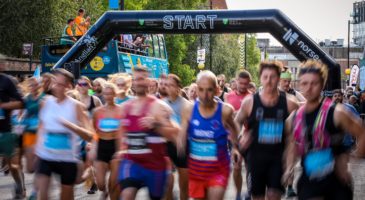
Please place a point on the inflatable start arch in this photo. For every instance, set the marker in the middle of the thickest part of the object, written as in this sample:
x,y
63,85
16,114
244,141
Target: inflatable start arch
x,y
200,22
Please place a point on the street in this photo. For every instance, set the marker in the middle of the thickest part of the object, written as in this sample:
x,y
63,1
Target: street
x,y
6,186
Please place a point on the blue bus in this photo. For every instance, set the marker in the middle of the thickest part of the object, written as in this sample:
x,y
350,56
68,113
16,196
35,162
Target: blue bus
x,y
115,57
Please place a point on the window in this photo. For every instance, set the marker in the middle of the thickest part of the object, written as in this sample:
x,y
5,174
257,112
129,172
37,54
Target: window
x,y
148,42
156,48
162,46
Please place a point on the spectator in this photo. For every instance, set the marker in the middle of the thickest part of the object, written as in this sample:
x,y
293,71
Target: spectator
x,y
139,43
82,24
348,92
128,40
353,102
67,34
362,102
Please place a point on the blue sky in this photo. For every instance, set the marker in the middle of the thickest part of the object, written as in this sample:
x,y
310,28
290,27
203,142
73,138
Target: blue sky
x,y
320,19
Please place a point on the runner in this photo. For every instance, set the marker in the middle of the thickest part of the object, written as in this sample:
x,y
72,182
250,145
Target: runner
x,y
47,83
223,90
124,83
32,102
316,134
285,85
90,102
162,90
147,123
235,98
98,86
58,135
107,123
206,125
263,141
10,99
177,104
192,92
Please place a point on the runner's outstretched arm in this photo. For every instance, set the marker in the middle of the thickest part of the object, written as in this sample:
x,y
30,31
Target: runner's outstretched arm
x,y
290,153
233,129
240,119
85,130
353,125
181,139
160,121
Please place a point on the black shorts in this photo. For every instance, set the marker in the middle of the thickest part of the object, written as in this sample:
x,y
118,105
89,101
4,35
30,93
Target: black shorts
x,y
180,161
106,150
66,170
328,188
265,171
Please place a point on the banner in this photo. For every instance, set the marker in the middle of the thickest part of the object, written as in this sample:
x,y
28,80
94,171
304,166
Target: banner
x,y
200,58
354,74
362,78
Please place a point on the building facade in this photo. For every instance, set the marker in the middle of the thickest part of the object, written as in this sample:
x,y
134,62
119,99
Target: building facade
x,y
358,22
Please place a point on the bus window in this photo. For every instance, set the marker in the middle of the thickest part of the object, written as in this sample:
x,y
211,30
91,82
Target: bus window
x,y
156,48
149,43
162,46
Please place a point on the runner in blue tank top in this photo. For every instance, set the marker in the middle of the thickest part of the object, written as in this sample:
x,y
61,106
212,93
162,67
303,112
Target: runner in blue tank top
x,y
206,126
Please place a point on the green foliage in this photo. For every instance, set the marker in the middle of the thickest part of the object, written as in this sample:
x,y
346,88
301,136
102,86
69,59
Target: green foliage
x,y
225,55
25,21
253,58
30,21
186,73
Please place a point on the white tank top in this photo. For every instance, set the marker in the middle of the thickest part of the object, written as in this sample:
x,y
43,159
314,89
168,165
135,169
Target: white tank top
x,y
55,142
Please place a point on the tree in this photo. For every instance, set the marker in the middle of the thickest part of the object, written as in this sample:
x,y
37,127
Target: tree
x,y
31,21
253,58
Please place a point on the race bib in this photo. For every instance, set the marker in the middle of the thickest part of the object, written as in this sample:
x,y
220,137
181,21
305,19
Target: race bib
x,y
137,143
2,114
203,150
58,141
318,164
109,125
32,123
270,131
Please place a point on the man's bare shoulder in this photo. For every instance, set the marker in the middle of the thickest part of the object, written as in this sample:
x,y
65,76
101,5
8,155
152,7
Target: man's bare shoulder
x,y
161,107
227,109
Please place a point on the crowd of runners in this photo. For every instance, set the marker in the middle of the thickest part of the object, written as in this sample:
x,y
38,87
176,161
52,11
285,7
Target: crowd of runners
x,y
126,132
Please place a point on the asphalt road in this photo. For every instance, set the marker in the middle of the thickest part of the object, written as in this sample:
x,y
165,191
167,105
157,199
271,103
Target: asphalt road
x,y
6,186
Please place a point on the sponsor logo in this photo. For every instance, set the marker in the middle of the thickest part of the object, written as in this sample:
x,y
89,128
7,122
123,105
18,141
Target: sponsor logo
x,y
196,122
91,43
290,36
204,133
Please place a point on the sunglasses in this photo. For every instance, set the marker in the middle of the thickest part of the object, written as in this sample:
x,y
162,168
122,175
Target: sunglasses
x,y
121,85
83,84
